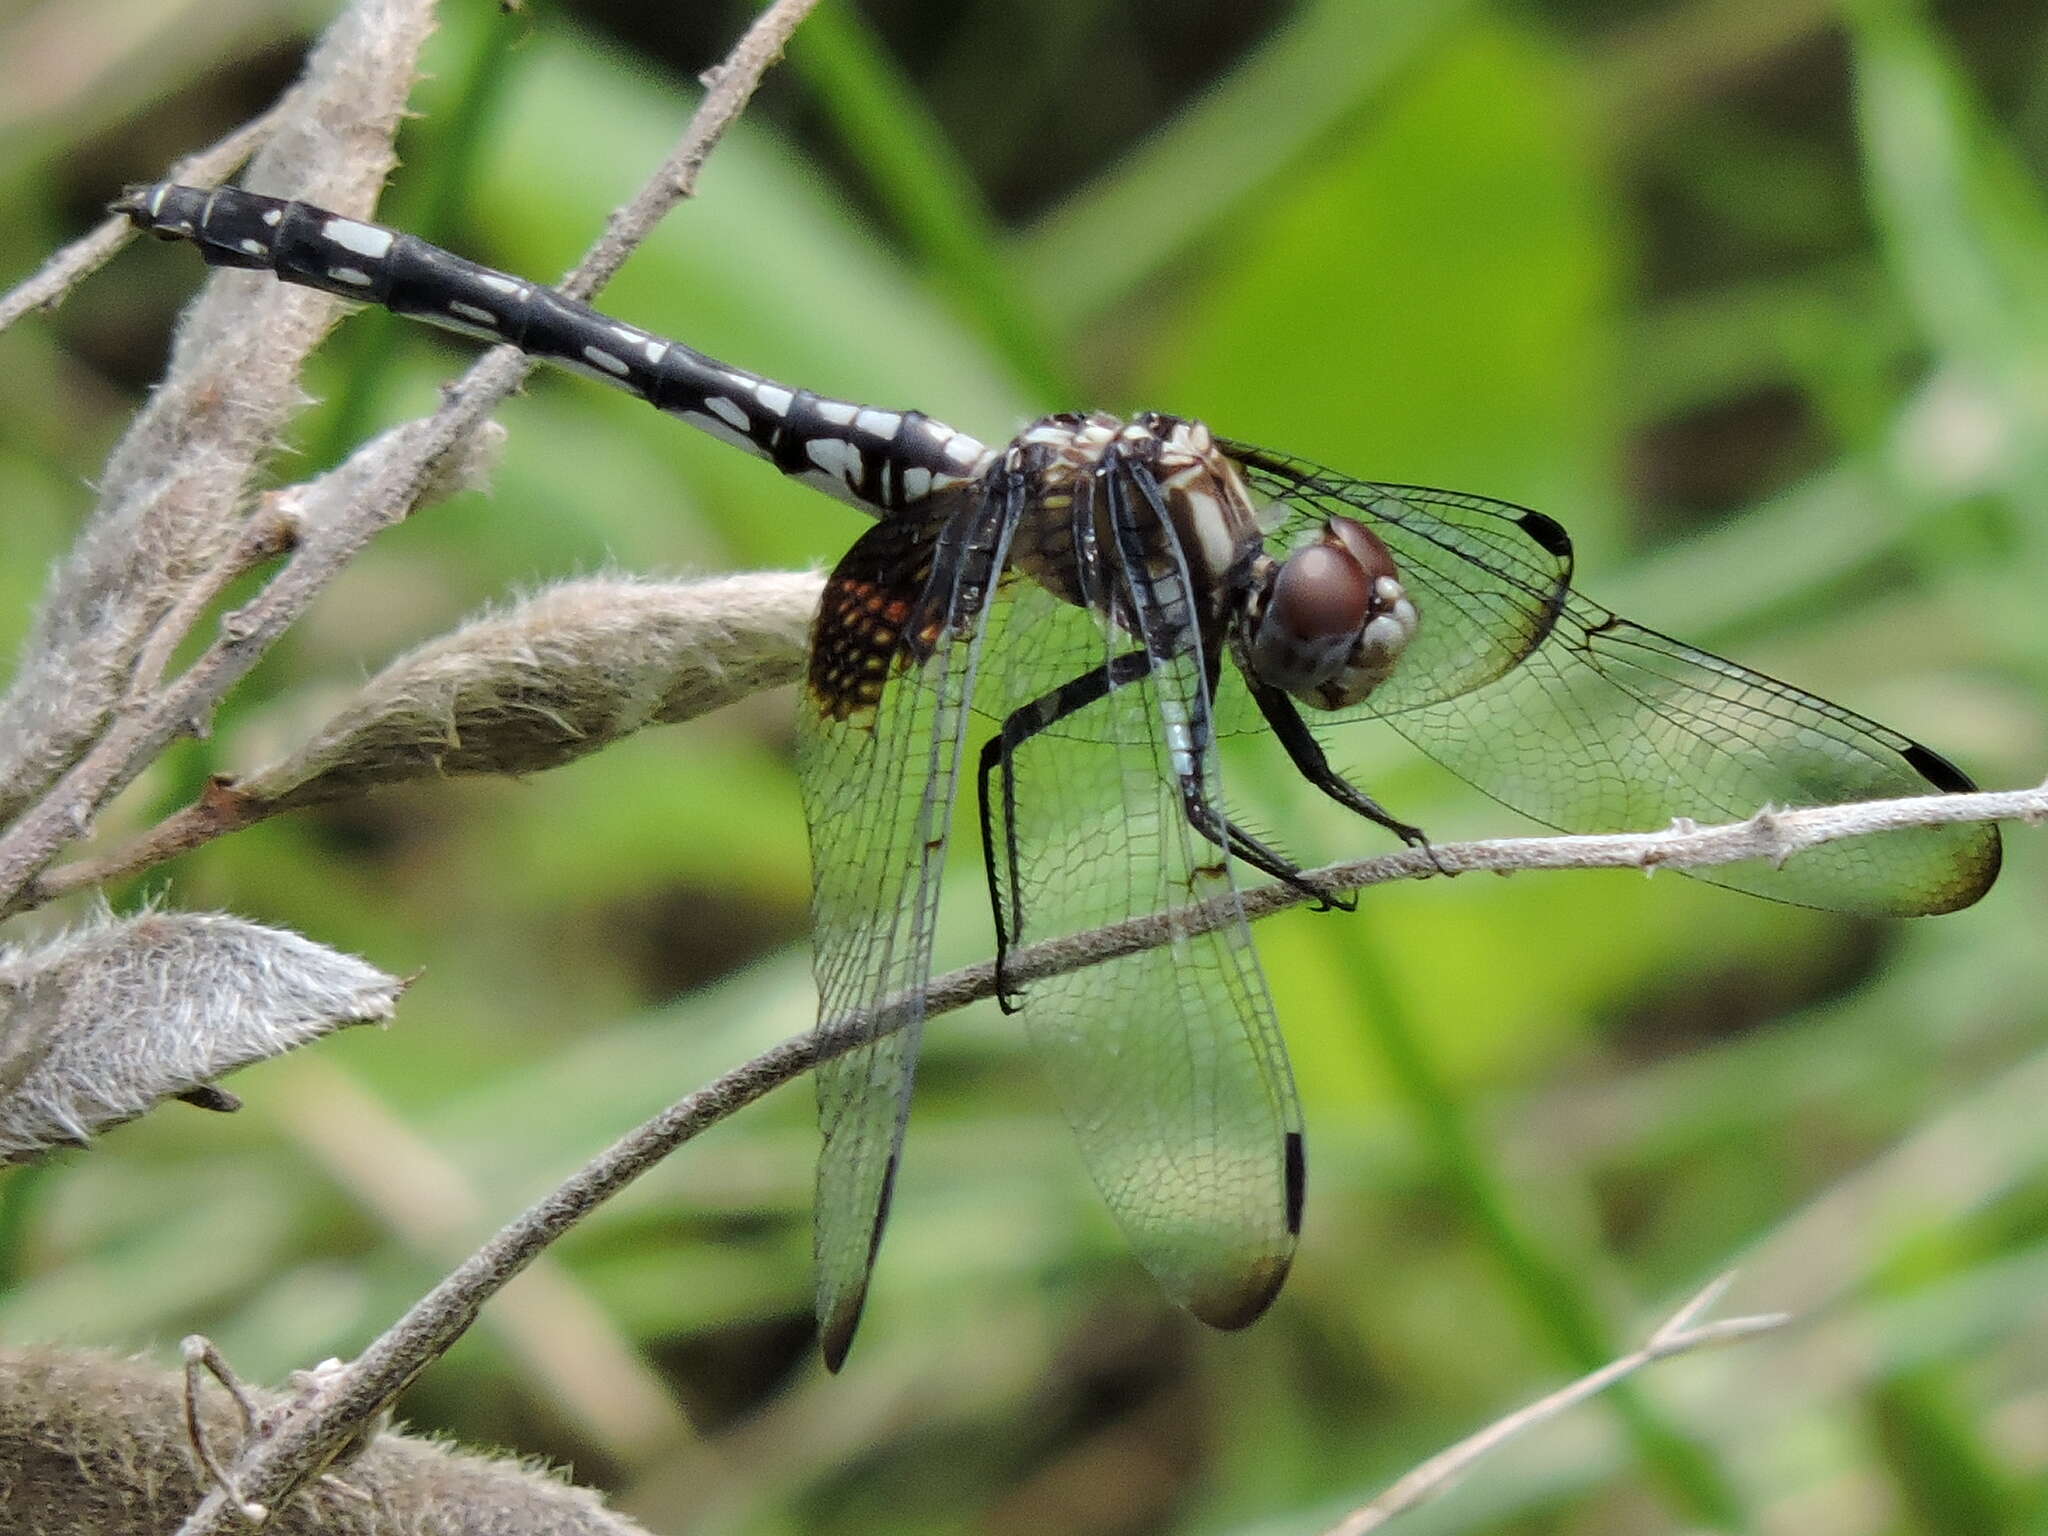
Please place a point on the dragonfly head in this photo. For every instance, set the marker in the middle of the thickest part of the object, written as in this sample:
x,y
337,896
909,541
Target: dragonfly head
x,y
1328,623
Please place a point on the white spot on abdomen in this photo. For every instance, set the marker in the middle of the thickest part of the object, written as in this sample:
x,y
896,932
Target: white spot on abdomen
x,y
729,411
834,457
364,239
721,430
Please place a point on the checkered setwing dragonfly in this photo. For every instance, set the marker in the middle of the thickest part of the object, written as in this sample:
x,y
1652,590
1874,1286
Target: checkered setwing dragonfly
x,y
1112,596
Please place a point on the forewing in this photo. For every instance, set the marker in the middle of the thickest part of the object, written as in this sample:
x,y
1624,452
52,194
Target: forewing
x,y
879,741
1589,723
1488,578
1168,1063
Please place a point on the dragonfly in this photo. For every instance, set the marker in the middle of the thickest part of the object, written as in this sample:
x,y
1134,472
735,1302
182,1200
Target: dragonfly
x,y
1101,602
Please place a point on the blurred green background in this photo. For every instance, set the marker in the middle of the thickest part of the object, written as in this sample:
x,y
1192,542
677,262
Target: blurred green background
x,y
1751,294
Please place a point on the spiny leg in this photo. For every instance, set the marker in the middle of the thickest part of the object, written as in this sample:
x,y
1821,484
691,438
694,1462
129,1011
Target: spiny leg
x,y
1209,819
1196,730
999,750
1306,753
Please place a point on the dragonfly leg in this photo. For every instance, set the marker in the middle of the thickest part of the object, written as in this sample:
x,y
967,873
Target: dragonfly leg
x,y
1205,818
999,753
1159,599
1307,755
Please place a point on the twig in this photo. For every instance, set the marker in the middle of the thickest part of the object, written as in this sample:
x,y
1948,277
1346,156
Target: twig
x,y
200,1355
728,88
217,812
1680,1335
48,285
1772,836
301,1442
761,619
375,489
1765,835
268,534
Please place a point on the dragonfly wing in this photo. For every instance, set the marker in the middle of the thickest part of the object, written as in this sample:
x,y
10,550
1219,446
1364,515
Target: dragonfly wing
x,y
1587,722
879,742
1168,1063
1612,726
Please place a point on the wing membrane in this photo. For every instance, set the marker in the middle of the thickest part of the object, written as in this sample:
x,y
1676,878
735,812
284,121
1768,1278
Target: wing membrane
x,y
1586,722
1168,1064
879,746
1612,726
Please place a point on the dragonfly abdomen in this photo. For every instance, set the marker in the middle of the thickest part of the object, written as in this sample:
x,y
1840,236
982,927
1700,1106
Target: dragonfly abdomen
x,y
880,460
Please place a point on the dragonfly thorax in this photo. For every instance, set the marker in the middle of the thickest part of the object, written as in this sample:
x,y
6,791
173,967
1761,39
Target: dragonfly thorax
x,y
1329,622
1177,520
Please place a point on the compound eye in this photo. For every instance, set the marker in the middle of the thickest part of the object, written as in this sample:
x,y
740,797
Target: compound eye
x,y
1319,594
1318,602
1374,559
1335,620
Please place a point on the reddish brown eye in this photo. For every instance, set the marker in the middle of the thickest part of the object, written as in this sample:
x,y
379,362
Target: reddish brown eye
x,y
1366,547
1334,620
1320,592
1317,603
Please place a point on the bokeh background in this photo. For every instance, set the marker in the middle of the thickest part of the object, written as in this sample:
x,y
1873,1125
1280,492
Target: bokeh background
x,y
1751,294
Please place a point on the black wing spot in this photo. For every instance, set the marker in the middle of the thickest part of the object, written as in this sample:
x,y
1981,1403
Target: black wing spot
x,y
1937,770
1547,533
836,1337
836,1334
1297,1182
882,1209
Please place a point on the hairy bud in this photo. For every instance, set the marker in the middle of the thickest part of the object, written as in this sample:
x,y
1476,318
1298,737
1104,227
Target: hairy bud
x,y
107,1020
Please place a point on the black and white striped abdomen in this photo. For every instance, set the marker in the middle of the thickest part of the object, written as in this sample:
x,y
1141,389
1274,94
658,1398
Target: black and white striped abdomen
x,y
879,460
